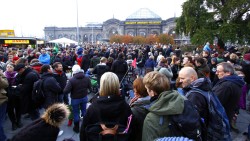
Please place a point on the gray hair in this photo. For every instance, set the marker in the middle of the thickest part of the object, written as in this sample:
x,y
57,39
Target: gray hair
x,y
227,67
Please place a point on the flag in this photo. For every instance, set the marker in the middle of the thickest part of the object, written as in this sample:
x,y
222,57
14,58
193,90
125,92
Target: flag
x,y
134,63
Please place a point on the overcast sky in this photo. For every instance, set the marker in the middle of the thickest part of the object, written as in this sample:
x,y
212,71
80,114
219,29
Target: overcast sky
x,y
29,17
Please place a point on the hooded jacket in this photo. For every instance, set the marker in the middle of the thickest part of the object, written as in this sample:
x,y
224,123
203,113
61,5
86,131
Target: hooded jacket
x,y
157,120
197,99
78,86
111,108
44,59
228,90
46,128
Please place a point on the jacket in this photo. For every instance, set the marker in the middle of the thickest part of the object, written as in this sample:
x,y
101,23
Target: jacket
x,y
3,84
85,63
150,63
61,78
46,128
99,70
139,113
157,120
51,89
110,108
120,68
228,90
44,59
197,99
78,86
25,82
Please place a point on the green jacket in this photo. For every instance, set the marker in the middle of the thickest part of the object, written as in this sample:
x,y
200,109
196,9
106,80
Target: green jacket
x,y
157,121
3,84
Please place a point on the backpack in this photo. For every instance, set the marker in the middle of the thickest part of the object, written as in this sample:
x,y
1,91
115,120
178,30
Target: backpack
x,y
111,131
218,127
187,124
38,95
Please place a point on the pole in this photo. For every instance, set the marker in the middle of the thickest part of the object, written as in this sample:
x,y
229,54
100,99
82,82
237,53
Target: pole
x,y
77,28
92,34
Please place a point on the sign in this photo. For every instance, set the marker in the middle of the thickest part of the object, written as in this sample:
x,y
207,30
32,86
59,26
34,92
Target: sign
x,y
16,41
144,22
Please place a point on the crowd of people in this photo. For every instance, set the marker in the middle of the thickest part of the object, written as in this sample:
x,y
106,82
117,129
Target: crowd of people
x,y
162,77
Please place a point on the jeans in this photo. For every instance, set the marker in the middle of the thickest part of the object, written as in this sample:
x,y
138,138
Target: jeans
x,y
77,105
2,118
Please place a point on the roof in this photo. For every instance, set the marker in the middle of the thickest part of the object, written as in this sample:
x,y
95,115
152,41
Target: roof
x,y
143,13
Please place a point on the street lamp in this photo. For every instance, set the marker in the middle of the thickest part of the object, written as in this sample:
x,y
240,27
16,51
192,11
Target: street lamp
x,y
77,28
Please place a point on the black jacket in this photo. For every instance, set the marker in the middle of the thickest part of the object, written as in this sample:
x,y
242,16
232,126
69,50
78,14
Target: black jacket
x,y
197,99
111,108
85,63
78,86
228,90
25,82
99,70
119,67
61,79
51,88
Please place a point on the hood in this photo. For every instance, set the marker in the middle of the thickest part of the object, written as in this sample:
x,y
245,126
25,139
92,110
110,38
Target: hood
x,y
79,75
235,79
36,64
110,106
201,83
142,101
168,103
46,74
56,114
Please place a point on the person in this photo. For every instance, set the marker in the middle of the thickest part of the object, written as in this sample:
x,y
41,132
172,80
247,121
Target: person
x,y
3,103
45,128
50,86
25,80
150,63
110,106
189,79
44,58
120,67
14,105
61,78
164,103
78,86
137,104
201,68
85,61
100,69
228,89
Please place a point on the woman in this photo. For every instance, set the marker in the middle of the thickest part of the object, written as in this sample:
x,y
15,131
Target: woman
x,y
137,104
110,106
45,128
78,86
13,108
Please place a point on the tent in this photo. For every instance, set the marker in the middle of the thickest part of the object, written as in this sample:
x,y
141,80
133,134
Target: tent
x,y
63,41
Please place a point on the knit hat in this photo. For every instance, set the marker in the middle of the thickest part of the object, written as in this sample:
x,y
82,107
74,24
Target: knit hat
x,y
76,69
247,57
19,66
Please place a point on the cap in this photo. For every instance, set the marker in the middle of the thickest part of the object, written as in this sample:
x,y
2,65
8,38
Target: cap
x,y
19,66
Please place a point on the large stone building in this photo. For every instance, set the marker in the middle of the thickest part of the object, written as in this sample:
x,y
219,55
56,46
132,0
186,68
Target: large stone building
x,y
143,22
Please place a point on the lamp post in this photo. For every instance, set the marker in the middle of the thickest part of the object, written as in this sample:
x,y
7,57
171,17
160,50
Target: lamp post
x,y
77,28
92,34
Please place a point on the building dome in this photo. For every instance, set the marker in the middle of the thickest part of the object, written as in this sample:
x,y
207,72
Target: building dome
x,y
143,13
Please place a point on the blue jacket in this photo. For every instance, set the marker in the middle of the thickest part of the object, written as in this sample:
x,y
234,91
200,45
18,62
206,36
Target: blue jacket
x,y
150,63
44,59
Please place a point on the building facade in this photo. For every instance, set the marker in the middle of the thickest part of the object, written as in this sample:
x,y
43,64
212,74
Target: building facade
x,y
143,22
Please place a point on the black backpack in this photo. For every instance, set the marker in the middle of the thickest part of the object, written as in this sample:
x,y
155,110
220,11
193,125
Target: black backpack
x,y
112,131
187,124
38,95
218,124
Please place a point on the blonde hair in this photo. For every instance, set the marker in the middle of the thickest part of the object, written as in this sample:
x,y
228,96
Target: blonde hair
x,y
109,84
156,81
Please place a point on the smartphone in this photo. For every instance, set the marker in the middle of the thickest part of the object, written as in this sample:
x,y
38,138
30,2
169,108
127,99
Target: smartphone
x,y
131,94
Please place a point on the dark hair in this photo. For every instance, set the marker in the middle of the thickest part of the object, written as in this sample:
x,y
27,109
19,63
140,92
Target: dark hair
x,y
200,60
45,68
55,65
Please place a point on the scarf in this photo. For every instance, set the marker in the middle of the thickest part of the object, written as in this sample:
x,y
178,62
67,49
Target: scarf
x,y
11,77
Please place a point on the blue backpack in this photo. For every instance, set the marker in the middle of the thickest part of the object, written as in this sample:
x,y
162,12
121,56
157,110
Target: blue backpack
x,y
218,124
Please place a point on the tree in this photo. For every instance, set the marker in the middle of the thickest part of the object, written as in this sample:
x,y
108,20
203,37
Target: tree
x,y
116,39
127,39
166,39
224,19
151,39
138,40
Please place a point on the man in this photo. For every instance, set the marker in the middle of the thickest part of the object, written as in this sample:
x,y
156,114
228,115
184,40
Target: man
x,y
25,80
100,69
228,89
188,79
202,68
3,103
85,61
44,58
61,78
187,60
50,87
